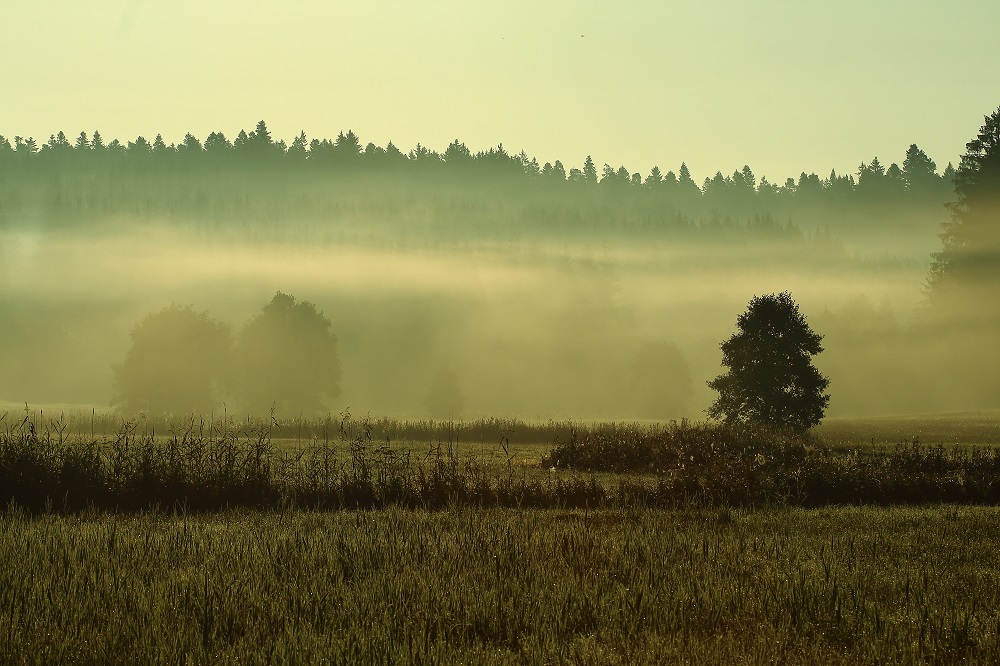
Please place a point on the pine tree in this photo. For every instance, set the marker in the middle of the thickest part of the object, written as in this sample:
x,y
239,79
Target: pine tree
x,y
589,171
970,255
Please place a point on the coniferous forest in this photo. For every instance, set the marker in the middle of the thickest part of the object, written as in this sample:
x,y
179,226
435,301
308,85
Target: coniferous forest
x,y
323,183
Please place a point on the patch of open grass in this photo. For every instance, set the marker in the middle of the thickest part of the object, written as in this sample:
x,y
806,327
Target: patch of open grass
x,y
951,429
503,586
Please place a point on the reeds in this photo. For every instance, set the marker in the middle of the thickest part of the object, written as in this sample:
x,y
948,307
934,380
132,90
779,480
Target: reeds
x,y
201,468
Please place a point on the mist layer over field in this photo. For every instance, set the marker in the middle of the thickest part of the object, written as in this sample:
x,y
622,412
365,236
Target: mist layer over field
x,y
528,291
537,330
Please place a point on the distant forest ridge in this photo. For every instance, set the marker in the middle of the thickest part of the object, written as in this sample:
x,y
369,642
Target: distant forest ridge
x,y
918,175
343,191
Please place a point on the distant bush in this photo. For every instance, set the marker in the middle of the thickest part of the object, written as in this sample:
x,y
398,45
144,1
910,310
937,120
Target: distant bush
x,y
745,465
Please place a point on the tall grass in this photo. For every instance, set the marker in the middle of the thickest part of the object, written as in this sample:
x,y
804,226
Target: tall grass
x,y
848,586
199,468
94,423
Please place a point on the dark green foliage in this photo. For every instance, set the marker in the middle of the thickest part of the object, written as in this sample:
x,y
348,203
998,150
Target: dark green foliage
x,y
174,366
970,256
771,379
285,359
754,466
670,449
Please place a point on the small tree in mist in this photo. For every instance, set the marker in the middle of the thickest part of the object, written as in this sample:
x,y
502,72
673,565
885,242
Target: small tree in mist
x,y
286,358
771,378
174,365
444,398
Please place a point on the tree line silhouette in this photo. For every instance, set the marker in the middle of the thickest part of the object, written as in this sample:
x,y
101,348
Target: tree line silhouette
x,y
255,171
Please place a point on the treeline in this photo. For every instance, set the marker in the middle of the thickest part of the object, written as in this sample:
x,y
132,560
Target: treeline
x,y
258,178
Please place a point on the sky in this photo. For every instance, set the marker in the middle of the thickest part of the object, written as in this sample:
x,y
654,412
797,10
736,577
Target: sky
x,y
784,86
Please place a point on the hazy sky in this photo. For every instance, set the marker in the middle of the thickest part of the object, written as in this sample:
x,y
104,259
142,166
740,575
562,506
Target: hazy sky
x,y
783,86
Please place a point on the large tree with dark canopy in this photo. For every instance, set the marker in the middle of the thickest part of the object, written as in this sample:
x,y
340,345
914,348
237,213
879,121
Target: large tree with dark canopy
x,y
969,260
771,379
962,313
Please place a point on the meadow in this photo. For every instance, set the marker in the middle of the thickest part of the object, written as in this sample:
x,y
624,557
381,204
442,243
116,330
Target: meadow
x,y
503,586
381,541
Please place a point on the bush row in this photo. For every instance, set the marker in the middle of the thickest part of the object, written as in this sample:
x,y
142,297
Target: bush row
x,y
754,465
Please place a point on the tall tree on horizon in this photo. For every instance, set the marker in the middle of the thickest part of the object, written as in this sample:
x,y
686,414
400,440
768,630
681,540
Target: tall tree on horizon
x,y
970,252
589,171
919,170
963,284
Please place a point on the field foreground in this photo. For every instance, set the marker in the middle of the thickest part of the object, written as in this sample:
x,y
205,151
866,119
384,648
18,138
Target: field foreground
x,y
632,585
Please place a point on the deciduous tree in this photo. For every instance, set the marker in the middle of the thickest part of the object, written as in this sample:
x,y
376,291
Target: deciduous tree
x,y
174,366
771,378
286,358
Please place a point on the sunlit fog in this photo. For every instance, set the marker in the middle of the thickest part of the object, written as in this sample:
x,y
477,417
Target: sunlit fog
x,y
460,285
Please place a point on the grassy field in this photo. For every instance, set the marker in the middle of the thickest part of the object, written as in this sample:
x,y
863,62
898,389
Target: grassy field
x,y
610,543
841,585
952,428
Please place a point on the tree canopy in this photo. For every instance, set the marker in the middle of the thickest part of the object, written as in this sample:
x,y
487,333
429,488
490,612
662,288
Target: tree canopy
x,y
257,151
771,379
962,308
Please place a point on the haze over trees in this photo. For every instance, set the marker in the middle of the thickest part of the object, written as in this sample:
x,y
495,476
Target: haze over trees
x,y
969,259
558,289
176,364
283,361
444,396
659,382
258,179
285,358
963,286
